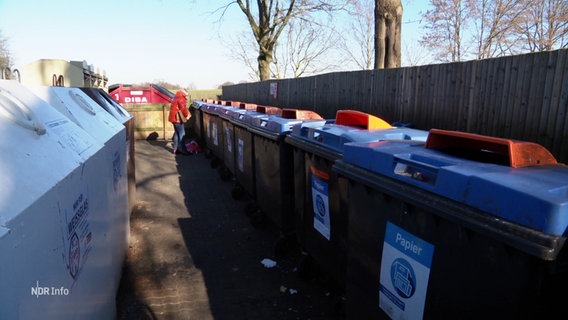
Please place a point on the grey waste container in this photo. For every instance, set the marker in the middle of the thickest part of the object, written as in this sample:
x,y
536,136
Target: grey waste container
x,y
197,116
244,147
213,131
465,226
273,165
320,202
228,132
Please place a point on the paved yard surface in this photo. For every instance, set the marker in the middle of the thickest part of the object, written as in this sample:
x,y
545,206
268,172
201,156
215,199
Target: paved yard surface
x,y
194,253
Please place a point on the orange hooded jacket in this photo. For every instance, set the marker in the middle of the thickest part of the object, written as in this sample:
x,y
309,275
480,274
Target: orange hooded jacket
x,y
178,103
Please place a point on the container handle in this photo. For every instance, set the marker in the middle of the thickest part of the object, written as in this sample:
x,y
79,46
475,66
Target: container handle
x,y
82,103
16,111
513,153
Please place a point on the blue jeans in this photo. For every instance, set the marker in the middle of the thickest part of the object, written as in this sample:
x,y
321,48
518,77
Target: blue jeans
x,y
179,133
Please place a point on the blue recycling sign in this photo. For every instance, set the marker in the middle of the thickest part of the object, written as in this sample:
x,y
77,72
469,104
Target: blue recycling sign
x,y
404,274
320,202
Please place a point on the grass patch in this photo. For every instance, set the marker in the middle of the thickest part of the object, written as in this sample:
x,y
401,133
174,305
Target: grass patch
x,y
214,94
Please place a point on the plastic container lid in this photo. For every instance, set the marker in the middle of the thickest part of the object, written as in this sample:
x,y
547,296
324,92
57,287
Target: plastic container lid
x,y
274,124
516,154
232,103
354,118
227,112
300,114
532,196
269,110
197,104
248,106
334,136
244,117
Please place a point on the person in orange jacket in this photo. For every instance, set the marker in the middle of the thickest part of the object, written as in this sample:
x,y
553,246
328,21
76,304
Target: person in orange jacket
x,y
179,103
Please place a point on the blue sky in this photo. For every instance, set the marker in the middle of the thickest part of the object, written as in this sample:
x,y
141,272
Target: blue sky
x,y
178,41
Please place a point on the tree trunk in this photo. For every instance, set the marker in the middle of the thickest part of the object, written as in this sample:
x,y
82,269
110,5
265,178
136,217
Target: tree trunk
x,y
264,61
380,42
388,25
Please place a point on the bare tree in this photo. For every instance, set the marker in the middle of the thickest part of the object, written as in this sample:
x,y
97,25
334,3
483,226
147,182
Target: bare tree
x,y
495,21
358,39
5,59
388,25
445,25
269,18
244,41
414,55
501,27
303,49
544,25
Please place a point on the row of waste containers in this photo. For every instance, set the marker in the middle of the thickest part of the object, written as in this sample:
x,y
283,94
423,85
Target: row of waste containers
x,y
65,197
410,224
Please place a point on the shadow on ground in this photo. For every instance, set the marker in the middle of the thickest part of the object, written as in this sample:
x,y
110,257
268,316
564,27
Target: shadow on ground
x,y
194,253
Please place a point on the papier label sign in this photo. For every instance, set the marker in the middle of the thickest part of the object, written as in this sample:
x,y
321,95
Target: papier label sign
x,y
405,269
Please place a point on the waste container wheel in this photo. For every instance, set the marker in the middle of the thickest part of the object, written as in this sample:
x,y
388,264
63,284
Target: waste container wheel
x,y
208,153
215,162
238,192
257,219
251,208
285,246
224,173
308,269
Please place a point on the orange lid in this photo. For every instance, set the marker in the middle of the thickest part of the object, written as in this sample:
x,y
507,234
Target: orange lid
x,y
300,114
231,103
269,110
360,119
516,154
247,106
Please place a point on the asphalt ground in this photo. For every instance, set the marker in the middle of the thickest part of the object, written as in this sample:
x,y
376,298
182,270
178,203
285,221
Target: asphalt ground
x,y
195,253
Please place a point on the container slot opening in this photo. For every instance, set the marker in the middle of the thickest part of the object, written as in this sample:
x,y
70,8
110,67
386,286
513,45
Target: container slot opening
x,y
417,172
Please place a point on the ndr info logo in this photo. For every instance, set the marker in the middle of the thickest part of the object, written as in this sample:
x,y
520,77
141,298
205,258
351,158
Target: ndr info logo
x,y
48,291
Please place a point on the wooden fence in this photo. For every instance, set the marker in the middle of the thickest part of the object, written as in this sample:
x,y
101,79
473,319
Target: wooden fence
x,y
521,97
151,121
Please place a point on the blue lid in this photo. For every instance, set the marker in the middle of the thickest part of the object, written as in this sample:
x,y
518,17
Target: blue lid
x,y
215,109
197,104
227,112
210,108
276,124
334,136
245,116
531,196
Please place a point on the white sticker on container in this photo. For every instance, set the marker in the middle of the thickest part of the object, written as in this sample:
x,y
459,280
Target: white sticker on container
x,y
214,134
78,235
229,139
70,136
405,270
320,202
240,155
